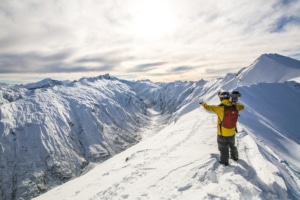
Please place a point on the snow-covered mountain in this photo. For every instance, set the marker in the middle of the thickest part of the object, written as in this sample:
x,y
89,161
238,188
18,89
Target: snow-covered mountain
x,y
53,131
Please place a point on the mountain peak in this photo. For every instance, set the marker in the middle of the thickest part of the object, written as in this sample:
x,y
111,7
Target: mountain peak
x,y
45,83
271,55
285,61
270,68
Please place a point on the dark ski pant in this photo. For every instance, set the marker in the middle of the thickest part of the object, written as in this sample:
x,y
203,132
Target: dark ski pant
x,y
224,144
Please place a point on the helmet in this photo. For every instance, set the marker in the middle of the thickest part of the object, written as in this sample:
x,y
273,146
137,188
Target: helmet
x,y
235,96
223,95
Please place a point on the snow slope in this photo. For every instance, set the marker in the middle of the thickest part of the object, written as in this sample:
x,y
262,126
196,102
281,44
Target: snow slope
x,y
179,162
53,131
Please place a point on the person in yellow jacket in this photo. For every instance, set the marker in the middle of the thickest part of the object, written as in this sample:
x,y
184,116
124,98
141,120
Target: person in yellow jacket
x,y
226,136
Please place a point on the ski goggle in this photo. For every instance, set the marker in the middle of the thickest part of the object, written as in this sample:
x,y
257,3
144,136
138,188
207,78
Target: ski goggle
x,y
223,95
235,94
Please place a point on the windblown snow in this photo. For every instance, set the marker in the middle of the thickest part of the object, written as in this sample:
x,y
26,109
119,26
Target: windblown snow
x,y
106,138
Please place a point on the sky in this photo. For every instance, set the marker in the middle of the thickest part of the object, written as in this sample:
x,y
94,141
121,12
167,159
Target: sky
x,y
160,40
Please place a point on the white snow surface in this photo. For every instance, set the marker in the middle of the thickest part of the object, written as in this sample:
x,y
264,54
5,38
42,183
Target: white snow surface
x,y
144,140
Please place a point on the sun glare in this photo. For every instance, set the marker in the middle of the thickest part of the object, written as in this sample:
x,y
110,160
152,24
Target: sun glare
x,y
153,19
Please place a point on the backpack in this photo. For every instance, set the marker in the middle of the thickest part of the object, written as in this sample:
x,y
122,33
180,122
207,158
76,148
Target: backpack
x,y
231,115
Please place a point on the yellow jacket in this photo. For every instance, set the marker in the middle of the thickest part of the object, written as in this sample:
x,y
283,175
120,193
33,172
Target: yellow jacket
x,y
219,110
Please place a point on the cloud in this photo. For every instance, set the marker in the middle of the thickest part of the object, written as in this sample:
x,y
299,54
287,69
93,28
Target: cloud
x,y
146,67
111,57
6,10
17,63
62,68
210,37
283,22
181,69
29,62
57,56
56,63
217,71
282,3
